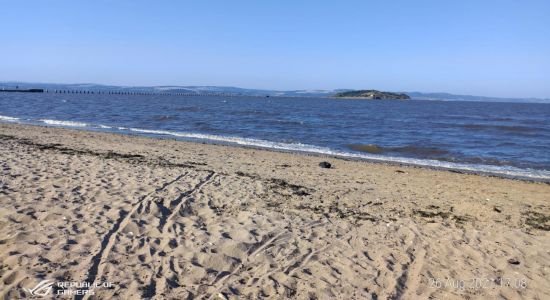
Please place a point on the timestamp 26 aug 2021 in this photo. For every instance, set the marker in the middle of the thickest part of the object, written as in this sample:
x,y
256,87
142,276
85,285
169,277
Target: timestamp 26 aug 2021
x,y
477,283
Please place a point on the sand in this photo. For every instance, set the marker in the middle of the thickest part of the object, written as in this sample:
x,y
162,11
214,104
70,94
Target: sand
x,y
165,219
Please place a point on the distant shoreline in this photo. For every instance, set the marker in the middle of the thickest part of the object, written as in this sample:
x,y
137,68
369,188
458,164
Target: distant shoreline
x,y
237,91
22,90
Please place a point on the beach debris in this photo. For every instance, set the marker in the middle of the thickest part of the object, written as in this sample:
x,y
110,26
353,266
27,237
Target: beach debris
x,y
325,165
280,185
399,171
537,220
497,209
513,261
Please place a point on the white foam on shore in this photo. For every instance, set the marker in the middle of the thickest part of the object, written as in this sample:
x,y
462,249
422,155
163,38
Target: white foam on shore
x,y
495,170
507,171
9,119
64,123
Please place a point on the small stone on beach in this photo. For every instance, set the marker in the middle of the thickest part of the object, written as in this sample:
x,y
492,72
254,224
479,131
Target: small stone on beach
x,y
325,165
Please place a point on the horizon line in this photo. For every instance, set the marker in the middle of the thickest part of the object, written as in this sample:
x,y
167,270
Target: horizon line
x,y
264,89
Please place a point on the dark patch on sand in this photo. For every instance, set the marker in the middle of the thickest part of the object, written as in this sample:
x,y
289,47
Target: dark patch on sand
x,y
126,157
537,220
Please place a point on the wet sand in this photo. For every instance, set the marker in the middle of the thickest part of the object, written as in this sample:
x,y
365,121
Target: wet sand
x,y
167,219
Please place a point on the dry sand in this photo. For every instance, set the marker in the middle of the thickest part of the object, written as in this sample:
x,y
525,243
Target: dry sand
x,y
165,219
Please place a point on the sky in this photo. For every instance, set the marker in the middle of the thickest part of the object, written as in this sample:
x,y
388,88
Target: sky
x,y
480,47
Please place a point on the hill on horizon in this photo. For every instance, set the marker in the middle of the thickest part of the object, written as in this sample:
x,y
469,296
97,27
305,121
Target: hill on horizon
x,y
237,91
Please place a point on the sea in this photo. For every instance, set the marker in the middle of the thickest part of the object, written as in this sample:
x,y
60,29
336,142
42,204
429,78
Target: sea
x,y
502,139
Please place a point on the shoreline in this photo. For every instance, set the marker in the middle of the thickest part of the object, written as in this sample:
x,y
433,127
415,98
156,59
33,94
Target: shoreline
x,y
162,218
431,164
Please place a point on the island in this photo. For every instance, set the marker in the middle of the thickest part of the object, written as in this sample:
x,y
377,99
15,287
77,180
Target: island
x,y
371,94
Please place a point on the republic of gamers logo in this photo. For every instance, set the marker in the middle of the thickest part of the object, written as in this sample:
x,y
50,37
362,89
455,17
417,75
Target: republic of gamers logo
x,y
42,289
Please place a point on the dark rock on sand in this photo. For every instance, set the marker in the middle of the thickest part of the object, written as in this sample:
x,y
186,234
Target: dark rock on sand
x,y
325,165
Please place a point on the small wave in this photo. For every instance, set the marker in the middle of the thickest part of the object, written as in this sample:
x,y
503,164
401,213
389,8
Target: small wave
x,y
205,127
249,112
239,140
409,149
104,126
481,161
370,148
9,119
477,117
188,108
500,119
504,128
163,118
419,150
64,123
430,153
286,122
507,171
518,128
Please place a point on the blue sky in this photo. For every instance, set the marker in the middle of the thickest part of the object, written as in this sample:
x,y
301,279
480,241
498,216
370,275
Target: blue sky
x,y
493,48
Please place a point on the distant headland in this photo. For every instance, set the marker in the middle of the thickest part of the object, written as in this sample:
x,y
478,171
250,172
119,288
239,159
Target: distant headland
x,y
91,88
17,90
372,94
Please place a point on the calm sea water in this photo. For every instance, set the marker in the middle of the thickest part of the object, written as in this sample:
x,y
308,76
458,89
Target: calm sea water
x,y
500,138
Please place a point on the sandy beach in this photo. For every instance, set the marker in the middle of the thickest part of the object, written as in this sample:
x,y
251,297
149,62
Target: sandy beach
x,y
164,219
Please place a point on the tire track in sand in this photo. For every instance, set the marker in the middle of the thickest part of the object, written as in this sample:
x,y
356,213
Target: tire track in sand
x,y
167,219
108,240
